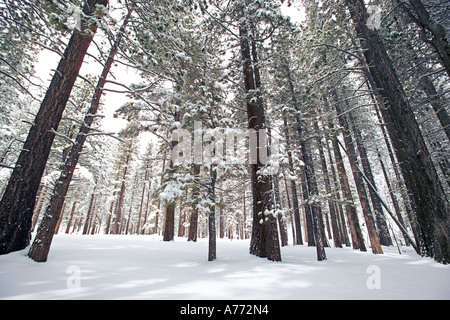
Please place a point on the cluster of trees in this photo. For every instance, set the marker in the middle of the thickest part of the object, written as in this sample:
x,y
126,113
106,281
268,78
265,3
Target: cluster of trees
x,y
355,97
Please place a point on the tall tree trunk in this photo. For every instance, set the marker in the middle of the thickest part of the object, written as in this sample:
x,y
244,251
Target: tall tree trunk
x,y
169,214
41,246
41,196
338,204
69,223
392,195
316,211
281,220
277,201
87,223
17,204
295,204
163,170
367,212
298,230
420,176
169,222
264,241
380,219
342,225
400,181
61,215
245,213
110,214
147,203
193,221
212,255
355,229
181,222
313,212
141,205
130,210
291,215
222,221
332,209
307,212
119,208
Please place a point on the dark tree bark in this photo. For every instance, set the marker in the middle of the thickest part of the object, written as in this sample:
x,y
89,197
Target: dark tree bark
x,y
280,218
41,246
87,224
392,196
40,199
118,219
169,222
181,222
425,83
339,208
212,255
419,174
295,204
163,170
222,221
400,181
438,106
316,211
193,226
355,229
141,205
264,241
110,214
147,204
169,215
313,212
61,215
363,199
193,221
16,206
380,219
308,217
69,223
331,206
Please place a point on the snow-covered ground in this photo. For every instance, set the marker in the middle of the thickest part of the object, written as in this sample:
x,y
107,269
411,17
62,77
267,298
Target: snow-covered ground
x,y
144,267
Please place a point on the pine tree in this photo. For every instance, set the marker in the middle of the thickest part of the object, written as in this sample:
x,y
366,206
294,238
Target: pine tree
x,y
15,216
367,212
41,245
264,234
420,177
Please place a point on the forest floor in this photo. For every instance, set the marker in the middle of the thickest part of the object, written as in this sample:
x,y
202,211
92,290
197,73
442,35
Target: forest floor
x,y
144,267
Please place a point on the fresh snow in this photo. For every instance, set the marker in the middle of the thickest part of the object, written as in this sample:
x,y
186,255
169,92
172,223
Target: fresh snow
x,y
144,267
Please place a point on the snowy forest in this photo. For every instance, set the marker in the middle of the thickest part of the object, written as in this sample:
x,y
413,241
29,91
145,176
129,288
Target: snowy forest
x,y
285,123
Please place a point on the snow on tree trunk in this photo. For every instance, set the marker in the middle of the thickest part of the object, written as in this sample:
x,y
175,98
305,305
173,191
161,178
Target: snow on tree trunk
x,y
264,241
